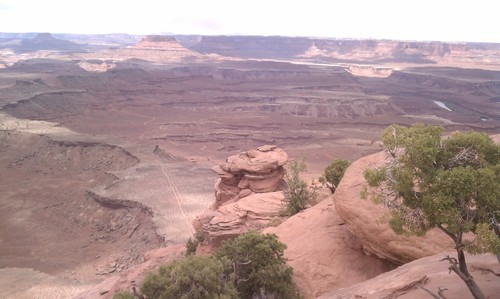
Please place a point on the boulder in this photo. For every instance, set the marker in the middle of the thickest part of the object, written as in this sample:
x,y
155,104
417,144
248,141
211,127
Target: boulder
x,y
367,220
262,160
323,253
432,274
252,212
255,171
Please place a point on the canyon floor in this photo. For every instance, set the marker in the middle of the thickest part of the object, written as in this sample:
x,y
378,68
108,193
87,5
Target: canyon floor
x,y
104,158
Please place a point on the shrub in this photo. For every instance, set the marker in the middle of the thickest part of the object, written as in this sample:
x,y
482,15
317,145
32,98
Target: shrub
x,y
258,266
194,277
333,173
298,194
123,295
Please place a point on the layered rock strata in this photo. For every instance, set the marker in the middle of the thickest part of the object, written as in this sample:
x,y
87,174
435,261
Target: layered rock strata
x,y
255,171
248,194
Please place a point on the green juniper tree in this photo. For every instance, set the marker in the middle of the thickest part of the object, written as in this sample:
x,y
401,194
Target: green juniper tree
x,y
258,266
452,184
333,174
194,277
250,266
299,193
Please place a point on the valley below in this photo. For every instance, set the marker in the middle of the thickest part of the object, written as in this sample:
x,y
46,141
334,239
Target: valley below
x,y
106,153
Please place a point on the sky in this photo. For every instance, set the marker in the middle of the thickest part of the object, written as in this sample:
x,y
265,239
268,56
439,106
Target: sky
x,y
426,20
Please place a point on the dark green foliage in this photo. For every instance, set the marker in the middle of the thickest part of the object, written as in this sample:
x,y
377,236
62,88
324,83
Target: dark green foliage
x,y
452,184
333,174
191,246
250,266
194,277
258,265
123,295
192,243
299,193
375,177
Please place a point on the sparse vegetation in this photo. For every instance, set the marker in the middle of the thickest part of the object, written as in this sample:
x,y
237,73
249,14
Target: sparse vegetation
x,y
452,184
192,243
250,266
194,277
333,174
299,193
258,266
123,295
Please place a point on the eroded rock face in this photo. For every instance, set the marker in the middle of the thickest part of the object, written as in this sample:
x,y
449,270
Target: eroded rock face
x,y
323,253
252,212
255,171
365,220
430,273
247,195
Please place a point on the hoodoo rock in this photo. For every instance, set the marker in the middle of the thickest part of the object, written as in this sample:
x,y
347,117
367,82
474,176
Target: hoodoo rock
x,y
255,171
368,221
248,194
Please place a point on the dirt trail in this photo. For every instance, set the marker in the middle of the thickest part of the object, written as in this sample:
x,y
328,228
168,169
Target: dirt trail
x,y
179,199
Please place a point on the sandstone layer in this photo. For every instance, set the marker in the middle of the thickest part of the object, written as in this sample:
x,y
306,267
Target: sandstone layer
x,y
255,171
253,212
430,273
247,194
323,253
368,221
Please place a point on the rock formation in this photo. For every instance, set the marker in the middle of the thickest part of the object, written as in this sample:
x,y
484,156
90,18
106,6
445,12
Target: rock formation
x,y
365,220
324,255
161,42
253,212
430,273
347,50
248,195
45,41
255,171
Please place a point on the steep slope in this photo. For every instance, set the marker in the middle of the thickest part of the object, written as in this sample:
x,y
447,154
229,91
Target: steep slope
x,y
324,255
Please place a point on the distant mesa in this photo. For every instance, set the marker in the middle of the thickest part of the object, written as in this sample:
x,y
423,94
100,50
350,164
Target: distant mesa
x,y
159,38
160,42
43,37
47,42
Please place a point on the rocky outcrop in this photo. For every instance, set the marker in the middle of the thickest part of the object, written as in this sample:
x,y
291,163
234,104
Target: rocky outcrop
x,y
253,212
255,171
368,71
366,220
126,280
323,253
430,273
247,195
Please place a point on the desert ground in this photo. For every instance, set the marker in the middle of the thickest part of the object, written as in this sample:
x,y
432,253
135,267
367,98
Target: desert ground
x,y
106,152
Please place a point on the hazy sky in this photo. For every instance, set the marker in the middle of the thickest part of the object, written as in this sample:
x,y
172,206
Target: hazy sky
x,y
459,20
